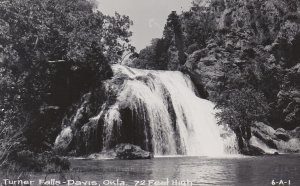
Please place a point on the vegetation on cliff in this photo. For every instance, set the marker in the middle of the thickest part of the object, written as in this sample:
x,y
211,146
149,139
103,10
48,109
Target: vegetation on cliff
x,y
51,52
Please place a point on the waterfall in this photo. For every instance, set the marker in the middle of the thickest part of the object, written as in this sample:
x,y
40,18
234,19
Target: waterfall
x,y
159,111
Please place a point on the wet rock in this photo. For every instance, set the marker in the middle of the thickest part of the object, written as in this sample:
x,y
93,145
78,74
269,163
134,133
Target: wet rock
x,y
295,133
282,140
254,141
131,152
64,140
103,155
282,134
264,130
266,134
252,151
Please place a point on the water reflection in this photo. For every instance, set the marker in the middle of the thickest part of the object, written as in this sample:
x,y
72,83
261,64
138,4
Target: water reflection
x,y
199,170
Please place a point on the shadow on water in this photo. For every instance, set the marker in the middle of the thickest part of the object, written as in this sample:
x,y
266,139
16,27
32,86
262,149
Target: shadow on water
x,y
240,171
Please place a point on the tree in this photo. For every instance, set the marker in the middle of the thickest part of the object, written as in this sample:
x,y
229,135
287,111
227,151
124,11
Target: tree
x,y
173,30
240,109
161,53
199,26
154,56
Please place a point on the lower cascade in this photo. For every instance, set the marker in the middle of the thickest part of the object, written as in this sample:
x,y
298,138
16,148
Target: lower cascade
x,y
160,112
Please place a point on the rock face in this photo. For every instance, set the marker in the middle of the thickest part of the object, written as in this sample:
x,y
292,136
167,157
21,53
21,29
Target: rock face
x,y
79,126
255,43
64,139
131,152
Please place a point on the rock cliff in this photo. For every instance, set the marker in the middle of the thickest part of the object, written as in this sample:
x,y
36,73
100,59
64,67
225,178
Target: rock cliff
x,y
256,43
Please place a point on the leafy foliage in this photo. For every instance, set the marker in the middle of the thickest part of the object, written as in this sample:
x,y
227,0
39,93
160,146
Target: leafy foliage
x,y
154,56
173,31
242,107
62,30
199,26
51,52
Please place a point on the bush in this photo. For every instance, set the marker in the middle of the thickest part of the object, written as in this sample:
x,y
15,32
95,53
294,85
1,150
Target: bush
x,y
28,161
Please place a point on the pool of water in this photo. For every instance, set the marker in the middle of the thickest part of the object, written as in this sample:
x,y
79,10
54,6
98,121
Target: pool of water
x,y
240,171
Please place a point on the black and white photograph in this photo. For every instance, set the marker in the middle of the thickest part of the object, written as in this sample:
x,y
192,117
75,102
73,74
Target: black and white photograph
x,y
149,92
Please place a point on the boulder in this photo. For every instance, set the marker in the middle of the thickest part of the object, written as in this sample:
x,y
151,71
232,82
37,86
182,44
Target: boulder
x,y
131,152
266,134
254,141
282,134
63,140
102,155
279,140
263,130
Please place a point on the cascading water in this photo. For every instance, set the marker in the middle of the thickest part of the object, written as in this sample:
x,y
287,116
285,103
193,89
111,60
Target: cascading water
x,y
159,111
